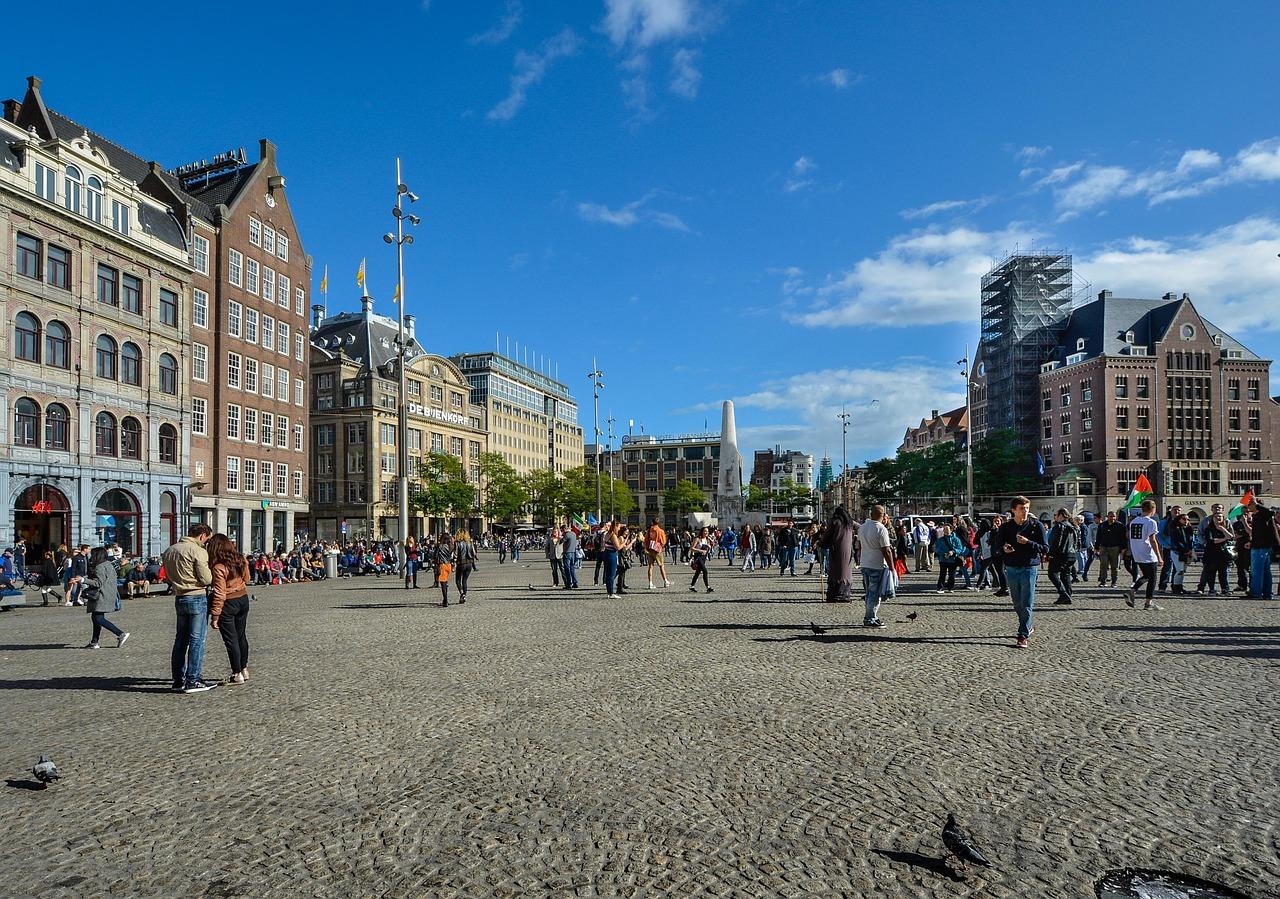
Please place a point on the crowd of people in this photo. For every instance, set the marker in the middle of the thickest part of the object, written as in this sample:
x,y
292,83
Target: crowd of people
x,y
210,579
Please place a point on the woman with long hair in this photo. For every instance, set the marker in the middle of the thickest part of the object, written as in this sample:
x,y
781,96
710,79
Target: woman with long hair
x,y
48,577
411,560
700,551
444,567
101,595
229,608
464,554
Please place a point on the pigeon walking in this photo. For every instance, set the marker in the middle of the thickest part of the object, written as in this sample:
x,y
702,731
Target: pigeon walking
x,y
46,771
913,616
960,844
817,630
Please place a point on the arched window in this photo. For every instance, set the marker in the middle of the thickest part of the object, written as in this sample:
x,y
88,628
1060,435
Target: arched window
x,y
104,434
131,364
93,198
26,422
168,444
71,188
168,374
105,358
55,427
57,345
26,337
130,439
119,521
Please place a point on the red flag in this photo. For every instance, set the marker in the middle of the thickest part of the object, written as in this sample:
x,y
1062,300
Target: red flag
x,y
1247,498
1142,485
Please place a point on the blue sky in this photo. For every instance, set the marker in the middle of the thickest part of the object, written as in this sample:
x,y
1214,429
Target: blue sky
x,y
784,203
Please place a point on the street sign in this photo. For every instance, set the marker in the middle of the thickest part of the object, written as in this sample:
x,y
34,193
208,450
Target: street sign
x,y
344,527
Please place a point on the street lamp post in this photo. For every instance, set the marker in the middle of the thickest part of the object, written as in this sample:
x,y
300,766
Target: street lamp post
x,y
844,457
968,434
400,239
610,421
596,376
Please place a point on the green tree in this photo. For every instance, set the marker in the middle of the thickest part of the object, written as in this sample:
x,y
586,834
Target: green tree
x,y
546,495
1002,466
624,502
442,488
758,498
505,493
684,497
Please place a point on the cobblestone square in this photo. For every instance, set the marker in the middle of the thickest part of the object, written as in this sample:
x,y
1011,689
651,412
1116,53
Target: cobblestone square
x,y
538,742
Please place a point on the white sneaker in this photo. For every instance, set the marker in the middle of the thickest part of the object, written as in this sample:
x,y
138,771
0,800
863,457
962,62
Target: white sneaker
x,y
666,583
650,585
120,639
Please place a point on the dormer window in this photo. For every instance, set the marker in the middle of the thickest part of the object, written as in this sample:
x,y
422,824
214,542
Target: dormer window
x,y
1128,337
1080,345
71,184
1217,340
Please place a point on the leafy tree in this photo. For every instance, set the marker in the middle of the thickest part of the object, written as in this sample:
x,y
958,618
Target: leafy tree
x,y
579,491
1002,465
443,489
758,498
546,495
505,492
684,497
624,502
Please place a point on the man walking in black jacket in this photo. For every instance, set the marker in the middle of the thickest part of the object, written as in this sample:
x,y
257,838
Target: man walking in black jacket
x,y
1112,538
1064,543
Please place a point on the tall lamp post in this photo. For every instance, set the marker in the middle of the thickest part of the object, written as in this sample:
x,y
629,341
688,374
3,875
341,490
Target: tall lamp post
x,y
844,454
968,434
400,239
596,376
610,421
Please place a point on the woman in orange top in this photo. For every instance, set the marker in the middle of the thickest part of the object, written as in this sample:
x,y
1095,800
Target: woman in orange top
x,y
655,545
229,608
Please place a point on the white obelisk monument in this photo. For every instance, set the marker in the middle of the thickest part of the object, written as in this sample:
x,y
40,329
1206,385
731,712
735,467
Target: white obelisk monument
x,y
730,503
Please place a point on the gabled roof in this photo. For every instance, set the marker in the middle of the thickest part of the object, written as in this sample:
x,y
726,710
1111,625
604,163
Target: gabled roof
x,y
366,337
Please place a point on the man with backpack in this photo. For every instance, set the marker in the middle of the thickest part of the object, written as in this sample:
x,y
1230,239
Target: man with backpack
x,y
1064,544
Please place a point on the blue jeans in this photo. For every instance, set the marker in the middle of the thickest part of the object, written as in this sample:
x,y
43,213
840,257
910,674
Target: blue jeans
x,y
731,550
873,585
570,572
1022,589
100,621
610,569
1260,579
187,659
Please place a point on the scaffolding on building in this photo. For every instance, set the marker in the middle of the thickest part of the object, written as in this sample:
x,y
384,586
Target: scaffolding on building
x,y
1026,299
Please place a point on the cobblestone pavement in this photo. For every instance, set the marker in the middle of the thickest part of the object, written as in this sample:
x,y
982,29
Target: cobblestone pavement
x,y
536,742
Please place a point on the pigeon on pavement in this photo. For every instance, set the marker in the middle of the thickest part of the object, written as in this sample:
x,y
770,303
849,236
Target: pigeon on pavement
x,y
46,771
817,630
960,844
913,616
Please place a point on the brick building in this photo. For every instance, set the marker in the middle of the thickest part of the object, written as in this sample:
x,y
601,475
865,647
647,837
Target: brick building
x,y
938,428
94,290
1150,386
651,465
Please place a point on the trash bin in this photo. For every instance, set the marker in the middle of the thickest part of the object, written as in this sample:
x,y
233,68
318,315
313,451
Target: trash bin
x,y
331,563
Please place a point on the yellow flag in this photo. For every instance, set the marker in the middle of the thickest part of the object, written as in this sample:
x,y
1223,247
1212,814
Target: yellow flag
x,y
360,275
324,282
395,298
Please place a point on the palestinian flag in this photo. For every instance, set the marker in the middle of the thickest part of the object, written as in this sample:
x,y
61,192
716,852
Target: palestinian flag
x,y
1242,506
1141,491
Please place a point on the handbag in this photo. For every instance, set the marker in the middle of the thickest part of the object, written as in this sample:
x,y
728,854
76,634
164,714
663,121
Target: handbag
x,y
655,546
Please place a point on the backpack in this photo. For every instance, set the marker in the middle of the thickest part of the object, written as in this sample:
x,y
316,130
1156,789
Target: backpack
x,y
1069,542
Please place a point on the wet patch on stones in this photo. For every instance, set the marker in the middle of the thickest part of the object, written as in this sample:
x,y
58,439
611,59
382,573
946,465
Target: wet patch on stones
x,y
1133,883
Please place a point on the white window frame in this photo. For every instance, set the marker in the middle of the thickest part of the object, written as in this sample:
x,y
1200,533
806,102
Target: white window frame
x,y
46,183
250,374
251,276
299,301
299,345
233,421
199,308
297,392
199,416
282,431
282,384
268,240
255,232
235,267
200,363
282,290
249,477
282,248
282,338
297,438
249,426
233,473
251,325
234,313
282,479
297,483
268,380
120,217
234,363
268,331
268,284
200,254
264,477
267,426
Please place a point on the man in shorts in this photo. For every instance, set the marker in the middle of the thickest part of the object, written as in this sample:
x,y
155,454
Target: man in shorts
x,y
655,545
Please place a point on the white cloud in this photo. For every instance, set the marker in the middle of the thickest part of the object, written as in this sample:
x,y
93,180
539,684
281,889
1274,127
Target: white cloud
x,y
631,214
530,69
1029,153
1260,161
932,209
685,77
840,78
643,23
806,406
505,27
929,276
1231,272
798,179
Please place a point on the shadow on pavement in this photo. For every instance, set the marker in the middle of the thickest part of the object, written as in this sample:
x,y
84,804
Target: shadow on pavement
x,y
389,605
24,784
928,863
877,638
15,647
110,684
1237,641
